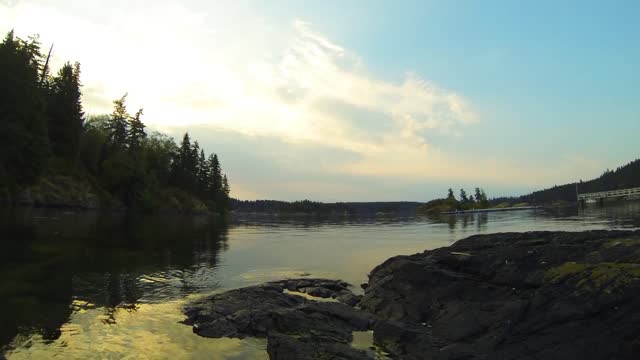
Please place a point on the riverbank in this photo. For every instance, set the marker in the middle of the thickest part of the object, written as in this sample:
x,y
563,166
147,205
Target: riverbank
x,y
552,295
84,194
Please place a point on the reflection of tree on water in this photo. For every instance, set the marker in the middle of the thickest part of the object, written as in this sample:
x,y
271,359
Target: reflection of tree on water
x,y
53,264
465,220
481,221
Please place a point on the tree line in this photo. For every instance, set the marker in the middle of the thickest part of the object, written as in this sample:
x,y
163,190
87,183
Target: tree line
x,y
623,177
477,200
44,135
467,202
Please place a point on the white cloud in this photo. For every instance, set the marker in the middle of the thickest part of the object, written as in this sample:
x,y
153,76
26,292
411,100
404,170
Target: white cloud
x,y
243,74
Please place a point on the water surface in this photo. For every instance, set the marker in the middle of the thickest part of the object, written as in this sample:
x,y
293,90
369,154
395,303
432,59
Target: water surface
x,y
90,285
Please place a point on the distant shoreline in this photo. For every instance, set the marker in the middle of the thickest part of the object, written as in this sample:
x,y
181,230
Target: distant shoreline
x,y
454,212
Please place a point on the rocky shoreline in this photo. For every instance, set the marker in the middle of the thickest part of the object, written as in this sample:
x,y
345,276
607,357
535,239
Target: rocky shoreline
x,y
536,295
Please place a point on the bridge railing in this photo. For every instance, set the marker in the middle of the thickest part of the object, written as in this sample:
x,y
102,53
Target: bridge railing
x,y
610,193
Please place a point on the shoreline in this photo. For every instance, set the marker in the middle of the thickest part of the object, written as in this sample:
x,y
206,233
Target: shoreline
x,y
485,296
519,208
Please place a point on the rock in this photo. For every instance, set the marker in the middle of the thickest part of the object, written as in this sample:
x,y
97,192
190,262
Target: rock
x,y
347,297
547,295
315,330
537,295
284,347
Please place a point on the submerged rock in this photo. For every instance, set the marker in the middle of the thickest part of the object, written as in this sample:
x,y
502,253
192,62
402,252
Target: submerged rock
x,y
537,295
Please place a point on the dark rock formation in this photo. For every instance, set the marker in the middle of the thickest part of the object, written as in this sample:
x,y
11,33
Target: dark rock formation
x,y
538,295
295,327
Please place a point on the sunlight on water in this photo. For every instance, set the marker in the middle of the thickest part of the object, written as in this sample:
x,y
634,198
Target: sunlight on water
x,y
151,331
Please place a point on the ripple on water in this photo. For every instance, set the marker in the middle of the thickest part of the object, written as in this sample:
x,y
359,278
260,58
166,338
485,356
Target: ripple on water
x,y
151,331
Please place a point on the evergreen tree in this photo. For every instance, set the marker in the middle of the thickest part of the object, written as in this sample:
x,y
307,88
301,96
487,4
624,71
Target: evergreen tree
x,y
118,123
450,195
226,188
182,163
463,196
65,113
470,200
136,131
210,187
216,177
478,195
203,175
194,169
483,199
24,142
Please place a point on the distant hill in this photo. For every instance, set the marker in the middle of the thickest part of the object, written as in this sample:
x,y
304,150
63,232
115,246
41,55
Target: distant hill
x,y
623,177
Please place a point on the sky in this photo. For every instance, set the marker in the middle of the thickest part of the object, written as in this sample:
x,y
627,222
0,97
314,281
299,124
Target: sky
x,y
365,100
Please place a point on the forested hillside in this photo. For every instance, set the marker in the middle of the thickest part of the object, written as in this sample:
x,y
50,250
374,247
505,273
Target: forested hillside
x,y
51,155
623,177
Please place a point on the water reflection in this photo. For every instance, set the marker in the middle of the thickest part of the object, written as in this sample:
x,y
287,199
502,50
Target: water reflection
x,y
111,285
56,263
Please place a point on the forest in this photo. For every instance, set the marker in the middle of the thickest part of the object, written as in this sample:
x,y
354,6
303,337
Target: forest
x,y
626,176
51,154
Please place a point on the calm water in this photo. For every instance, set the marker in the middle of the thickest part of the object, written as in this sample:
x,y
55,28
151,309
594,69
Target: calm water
x,y
90,285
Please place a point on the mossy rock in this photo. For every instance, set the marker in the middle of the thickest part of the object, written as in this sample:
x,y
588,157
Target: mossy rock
x,y
607,277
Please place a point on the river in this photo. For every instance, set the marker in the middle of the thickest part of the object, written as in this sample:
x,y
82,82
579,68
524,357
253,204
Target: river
x,y
85,285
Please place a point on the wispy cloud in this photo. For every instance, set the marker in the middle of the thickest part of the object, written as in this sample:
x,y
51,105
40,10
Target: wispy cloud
x,y
193,69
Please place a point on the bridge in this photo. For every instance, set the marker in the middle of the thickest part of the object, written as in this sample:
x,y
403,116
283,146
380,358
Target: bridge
x,y
599,196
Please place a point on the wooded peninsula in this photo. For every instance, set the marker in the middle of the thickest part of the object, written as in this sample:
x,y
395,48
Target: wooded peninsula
x,y
51,154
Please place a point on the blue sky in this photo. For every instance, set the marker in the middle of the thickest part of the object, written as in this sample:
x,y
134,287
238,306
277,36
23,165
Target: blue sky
x,y
367,100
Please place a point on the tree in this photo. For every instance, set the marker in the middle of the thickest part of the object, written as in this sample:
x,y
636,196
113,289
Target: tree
x,y
118,123
184,165
203,175
24,142
225,186
64,110
463,196
478,195
450,195
223,197
136,131
483,199
216,176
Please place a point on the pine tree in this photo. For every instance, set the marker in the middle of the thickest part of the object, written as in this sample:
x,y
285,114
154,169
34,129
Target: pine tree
x,y
24,142
118,123
64,110
194,169
210,189
136,131
483,198
203,175
463,196
222,202
225,185
181,164
450,195
470,200
216,177
478,195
